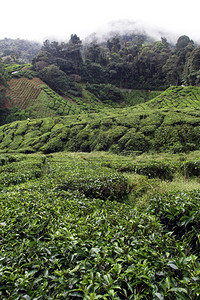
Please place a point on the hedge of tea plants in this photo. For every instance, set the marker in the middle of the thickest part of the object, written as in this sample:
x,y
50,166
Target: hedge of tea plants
x,y
120,131
67,232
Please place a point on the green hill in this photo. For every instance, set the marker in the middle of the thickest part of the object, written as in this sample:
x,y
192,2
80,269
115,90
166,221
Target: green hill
x,y
36,99
30,97
100,189
94,120
175,97
69,219
121,131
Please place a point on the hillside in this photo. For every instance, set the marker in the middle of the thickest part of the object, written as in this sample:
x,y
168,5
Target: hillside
x,y
30,97
121,131
118,224
22,91
168,122
175,97
99,181
36,99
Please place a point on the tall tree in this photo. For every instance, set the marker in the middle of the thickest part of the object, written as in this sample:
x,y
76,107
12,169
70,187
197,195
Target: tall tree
x,y
41,60
114,44
96,54
67,56
192,68
170,69
184,47
3,83
55,78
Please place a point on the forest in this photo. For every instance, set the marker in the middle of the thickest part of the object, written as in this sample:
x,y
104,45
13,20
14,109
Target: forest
x,y
100,169
132,62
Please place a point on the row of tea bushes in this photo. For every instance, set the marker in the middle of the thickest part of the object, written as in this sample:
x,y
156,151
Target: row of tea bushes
x,y
122,131
58,242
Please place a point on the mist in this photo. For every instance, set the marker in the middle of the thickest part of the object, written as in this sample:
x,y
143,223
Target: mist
x,y
116,28
58,20
127,27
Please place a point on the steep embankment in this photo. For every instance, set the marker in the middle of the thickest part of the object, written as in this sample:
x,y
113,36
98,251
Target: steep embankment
x,y
36,99
23,92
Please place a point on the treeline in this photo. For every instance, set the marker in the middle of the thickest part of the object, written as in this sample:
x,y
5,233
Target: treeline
x,y
128,63
18,50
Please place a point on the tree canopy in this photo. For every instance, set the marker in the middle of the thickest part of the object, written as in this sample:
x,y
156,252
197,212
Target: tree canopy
x,y
3,84
124,61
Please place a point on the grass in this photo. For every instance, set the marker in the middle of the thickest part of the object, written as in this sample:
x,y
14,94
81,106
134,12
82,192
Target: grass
x,y
146,188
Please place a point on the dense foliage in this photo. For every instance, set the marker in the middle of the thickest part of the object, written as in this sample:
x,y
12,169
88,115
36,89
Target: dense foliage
x,y
3,84
68,232
121,224
124,61
120,131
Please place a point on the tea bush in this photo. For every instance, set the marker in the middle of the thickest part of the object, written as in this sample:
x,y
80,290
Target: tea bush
x,y
63,235
124,131
179,212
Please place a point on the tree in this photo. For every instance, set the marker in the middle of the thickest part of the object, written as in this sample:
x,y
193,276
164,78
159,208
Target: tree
x,y
95,53
3,83
3,75
192,68
170,70
67,56
183,42
41,60
75,40
184,47
114,45
55,78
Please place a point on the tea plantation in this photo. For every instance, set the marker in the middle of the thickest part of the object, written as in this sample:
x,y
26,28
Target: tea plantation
x,y
99,201
99,226
120,131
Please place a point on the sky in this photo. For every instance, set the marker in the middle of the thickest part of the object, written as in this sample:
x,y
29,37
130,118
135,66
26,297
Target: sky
x,y
46,19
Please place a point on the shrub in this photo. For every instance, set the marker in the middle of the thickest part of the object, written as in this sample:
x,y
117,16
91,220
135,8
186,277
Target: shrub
x,y
105,92
179,212
110,186
134,141
47,125
53,145
154,170
191,168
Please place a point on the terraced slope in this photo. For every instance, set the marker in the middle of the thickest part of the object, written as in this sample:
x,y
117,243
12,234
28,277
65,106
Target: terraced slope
x,y
175,97
37,100
120,131
23,92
